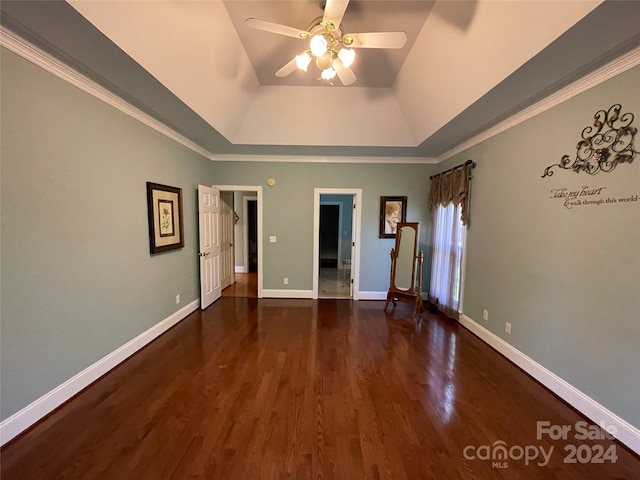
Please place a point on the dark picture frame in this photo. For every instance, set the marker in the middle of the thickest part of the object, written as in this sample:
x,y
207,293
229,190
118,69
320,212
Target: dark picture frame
x,y
164,210
393,210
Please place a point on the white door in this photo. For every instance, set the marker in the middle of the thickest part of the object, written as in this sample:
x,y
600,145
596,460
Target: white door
x,y
209,224
228,263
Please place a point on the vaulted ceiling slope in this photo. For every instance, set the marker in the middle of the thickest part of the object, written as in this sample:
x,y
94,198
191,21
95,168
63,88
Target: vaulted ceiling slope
x,y
196,67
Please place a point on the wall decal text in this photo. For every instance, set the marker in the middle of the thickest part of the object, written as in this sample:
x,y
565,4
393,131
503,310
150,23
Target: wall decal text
x,y
587,195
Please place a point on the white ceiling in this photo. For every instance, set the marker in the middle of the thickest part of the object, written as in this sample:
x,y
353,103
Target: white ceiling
x,y
195,66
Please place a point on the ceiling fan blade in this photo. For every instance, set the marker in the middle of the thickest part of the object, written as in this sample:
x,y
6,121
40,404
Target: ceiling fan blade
x,y
334,11
275,28
288,69
377,40
345,74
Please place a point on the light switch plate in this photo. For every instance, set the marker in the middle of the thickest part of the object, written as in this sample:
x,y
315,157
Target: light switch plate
x,y
272,239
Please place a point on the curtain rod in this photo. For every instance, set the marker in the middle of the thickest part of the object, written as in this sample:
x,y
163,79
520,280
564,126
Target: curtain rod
x,y
465,164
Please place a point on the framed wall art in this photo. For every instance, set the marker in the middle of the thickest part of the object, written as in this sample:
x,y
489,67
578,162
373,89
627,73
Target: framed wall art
x,y
393,210
164,207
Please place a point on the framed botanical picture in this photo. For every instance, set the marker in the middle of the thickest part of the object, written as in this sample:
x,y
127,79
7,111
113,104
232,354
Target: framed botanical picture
x,y
164,207
393,210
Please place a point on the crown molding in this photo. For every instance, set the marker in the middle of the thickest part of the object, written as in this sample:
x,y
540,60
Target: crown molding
x,y
323,159
602,74
39,57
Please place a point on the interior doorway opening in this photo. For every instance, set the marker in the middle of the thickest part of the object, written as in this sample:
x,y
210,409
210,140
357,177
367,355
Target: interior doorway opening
x,y
336,243
246,225
251,234
330,233
335,279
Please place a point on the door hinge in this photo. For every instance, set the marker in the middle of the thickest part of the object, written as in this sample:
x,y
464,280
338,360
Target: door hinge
x,y
354,206
353,244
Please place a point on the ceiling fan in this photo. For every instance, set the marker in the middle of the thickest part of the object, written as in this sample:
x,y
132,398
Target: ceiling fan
x,y
330,49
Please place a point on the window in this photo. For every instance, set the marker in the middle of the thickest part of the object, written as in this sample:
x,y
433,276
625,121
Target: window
x,y
449,238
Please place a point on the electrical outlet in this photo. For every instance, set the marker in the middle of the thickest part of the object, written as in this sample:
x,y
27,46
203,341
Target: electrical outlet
x,y
485,315
507,327
177,298
286,281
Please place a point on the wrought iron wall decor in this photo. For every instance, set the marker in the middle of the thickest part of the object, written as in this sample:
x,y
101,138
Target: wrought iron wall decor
x,y
604,145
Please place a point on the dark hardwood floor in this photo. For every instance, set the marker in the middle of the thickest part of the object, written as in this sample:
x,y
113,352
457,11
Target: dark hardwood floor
x,y
246,285
307,389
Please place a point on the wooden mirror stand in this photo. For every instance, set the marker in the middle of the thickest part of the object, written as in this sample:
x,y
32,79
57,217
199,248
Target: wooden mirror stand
x,y
405,282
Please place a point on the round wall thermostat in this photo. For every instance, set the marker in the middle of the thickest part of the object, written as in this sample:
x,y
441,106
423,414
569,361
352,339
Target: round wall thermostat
x,y
271,182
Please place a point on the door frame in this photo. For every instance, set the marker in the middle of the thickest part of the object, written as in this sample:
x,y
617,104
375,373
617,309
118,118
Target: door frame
x,y
355,235
258,191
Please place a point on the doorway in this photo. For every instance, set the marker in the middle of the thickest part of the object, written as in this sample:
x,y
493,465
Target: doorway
x,y
336,243
246,225
246,247
330,237
334,281
251,235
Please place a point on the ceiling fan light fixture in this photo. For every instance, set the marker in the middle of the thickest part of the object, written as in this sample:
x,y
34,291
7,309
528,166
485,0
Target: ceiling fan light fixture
x,y
328,74
318,45
347,56
303,60
328,43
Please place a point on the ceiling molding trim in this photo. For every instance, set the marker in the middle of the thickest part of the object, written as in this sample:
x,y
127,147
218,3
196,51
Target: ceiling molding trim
x,y
322,159
40,58
616,67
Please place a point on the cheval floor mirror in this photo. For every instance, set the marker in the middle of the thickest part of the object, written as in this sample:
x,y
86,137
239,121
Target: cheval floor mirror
x,y
405,282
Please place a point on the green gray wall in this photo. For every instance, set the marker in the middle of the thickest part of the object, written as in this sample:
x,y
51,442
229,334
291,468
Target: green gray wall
x,y
566,279
77,278
78,281
288,213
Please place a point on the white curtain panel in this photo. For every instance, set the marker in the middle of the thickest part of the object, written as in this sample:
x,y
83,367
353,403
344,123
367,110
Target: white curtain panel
x,y
449,236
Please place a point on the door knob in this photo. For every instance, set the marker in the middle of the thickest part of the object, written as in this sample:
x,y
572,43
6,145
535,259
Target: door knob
x,y
203,254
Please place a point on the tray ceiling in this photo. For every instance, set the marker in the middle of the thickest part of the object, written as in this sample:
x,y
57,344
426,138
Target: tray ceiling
x,y
196,67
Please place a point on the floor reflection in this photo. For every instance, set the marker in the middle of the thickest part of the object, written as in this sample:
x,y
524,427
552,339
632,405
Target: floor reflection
x,y
443,342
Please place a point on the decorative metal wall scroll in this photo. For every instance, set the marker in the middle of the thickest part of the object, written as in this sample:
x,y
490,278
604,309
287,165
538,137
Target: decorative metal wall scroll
x,y
609,142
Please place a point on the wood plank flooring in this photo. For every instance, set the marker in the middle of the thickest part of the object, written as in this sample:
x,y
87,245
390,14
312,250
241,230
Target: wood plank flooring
x,y
246,285
325,389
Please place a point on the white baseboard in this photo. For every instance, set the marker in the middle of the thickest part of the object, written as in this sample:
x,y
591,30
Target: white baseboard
x,y
273,293
372,295
241,269
626,433
29,415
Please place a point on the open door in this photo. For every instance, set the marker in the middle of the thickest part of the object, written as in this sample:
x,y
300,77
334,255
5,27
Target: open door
x,y
210,248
